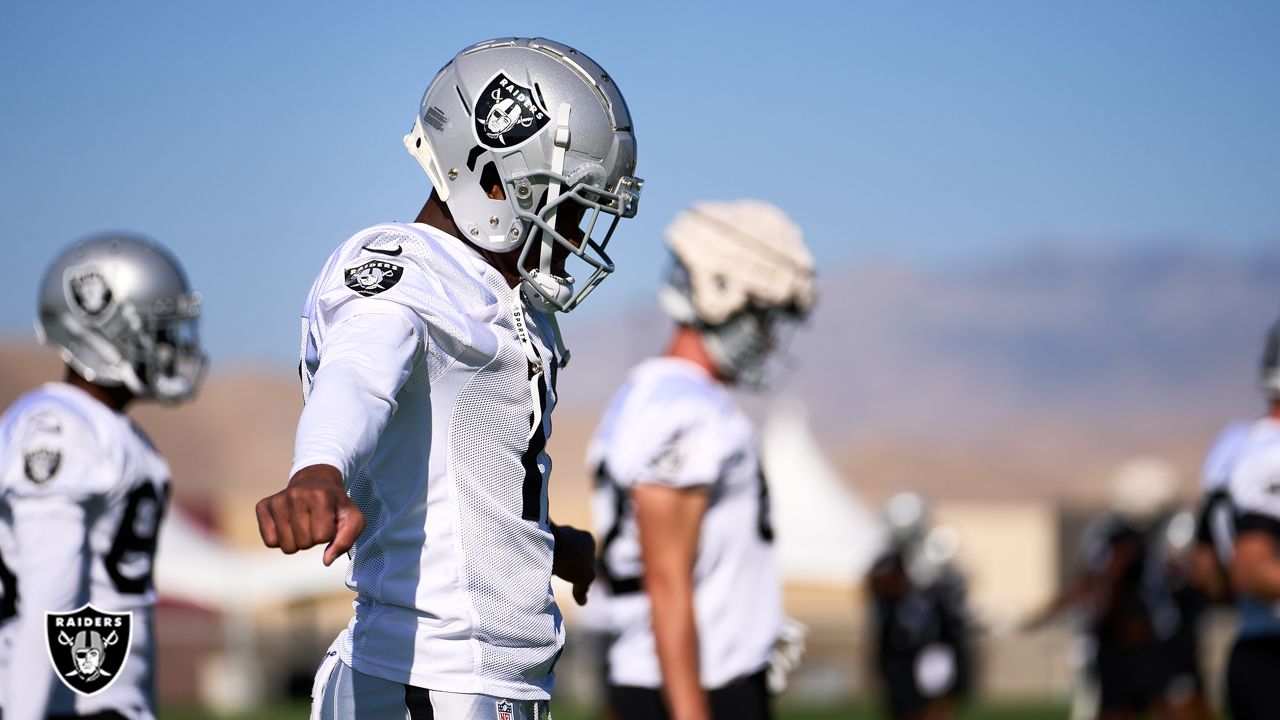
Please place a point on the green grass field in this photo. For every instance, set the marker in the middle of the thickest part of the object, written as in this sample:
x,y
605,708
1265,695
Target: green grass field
x,y
1032,711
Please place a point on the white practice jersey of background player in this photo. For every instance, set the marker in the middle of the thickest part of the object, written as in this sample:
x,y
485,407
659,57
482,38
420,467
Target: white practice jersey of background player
x,y
1255,496
430,385
673,424
1216,524
82,494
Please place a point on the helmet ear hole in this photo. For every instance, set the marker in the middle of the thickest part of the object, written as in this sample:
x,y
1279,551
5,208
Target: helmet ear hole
x,y
491,182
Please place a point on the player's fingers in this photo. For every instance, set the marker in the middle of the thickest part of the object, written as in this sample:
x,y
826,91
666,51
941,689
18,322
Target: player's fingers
x,y
266,525
279,508
300,519
324,522
580,592
350,525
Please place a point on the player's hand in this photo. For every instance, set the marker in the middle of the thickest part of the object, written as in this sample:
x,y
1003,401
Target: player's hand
x,y
314,508
574,559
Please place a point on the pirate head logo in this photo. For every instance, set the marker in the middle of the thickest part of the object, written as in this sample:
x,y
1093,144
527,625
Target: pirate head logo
x,y
88,647
505,710
507,114
373,277
41,464
88,291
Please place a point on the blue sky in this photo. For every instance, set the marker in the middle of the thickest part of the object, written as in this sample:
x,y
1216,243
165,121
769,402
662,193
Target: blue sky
x,y
252,137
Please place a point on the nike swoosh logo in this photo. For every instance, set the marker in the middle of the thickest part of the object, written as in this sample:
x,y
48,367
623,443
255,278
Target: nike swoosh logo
x,y
382,251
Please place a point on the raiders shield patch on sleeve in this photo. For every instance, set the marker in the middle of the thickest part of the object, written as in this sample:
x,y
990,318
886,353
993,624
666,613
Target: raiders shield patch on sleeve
x,y
41,464
373,277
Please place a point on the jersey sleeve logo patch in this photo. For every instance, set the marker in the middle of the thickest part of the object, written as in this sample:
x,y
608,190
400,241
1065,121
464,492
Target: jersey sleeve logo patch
x,y
88,647
41,465
507,114
373,277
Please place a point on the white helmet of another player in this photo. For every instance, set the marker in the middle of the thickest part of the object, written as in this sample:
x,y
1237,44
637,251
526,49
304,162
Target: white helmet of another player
x,y
1271,363
546,125
1144,489
741,271
120,311
906,517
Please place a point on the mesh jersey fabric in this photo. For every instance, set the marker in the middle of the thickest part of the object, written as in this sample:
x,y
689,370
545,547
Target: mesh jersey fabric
x,y
452,572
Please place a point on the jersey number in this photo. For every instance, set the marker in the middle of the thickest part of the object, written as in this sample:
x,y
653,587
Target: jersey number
x,y
133,554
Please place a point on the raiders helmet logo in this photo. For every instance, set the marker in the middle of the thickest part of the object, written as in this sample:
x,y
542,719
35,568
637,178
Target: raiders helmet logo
x,y
41,464
505,710
89,291
373,277
507,114
88,647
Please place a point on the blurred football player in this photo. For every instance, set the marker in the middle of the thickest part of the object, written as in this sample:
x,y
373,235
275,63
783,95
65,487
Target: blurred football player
x,y
922,646
82,489
1133,598
430,353
694,595
1254,563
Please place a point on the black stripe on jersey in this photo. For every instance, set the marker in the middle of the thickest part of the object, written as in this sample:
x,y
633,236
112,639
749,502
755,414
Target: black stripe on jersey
x,y
532,490
418,702
1255,521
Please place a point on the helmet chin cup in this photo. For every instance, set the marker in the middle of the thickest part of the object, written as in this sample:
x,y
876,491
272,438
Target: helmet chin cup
x,y
546,292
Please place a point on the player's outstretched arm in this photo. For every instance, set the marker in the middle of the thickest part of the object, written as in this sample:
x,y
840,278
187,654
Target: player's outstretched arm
x,y
371,350
313,509
669,520
574,559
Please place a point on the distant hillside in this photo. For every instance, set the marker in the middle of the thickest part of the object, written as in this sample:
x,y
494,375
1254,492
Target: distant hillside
x,y
1027,378
1030,378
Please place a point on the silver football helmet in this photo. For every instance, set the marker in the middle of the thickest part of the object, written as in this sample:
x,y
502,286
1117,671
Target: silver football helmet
x,y
120,311
1271,363
548,126
743,278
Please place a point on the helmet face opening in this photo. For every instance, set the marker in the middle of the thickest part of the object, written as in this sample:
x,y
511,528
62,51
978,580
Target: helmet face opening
x,y
753,346
569,225
170,361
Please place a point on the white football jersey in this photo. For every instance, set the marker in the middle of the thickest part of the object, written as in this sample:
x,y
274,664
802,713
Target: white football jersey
x,y
1255,495
430,384
82,495
673,424
1222,457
